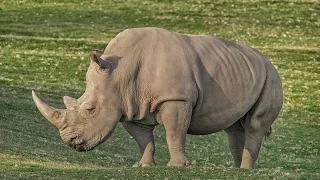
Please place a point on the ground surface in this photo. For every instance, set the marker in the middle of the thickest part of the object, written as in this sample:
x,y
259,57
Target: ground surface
x,y
44,46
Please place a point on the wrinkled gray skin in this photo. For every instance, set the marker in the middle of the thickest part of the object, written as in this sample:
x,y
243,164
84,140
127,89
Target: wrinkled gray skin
x,y
189,84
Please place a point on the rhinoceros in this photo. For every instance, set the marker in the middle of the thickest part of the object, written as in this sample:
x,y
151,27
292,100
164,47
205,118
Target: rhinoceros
x,y
190,84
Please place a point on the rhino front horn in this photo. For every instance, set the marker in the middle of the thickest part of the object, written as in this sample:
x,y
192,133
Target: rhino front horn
x,y
55,116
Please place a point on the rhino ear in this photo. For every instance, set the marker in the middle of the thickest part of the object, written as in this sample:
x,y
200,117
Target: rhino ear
x,y
69,102
107,63
95,56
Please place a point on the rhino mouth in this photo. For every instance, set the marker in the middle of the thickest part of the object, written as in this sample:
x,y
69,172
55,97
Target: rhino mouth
x,y
80,146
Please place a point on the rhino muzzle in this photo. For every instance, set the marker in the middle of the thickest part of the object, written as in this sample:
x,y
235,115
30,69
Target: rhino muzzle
x,y
55,116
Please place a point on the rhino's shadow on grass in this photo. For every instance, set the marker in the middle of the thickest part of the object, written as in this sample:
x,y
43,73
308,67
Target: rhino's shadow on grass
x,y
24,130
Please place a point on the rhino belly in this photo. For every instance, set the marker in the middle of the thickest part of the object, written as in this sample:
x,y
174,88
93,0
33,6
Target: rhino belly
x,y
214,121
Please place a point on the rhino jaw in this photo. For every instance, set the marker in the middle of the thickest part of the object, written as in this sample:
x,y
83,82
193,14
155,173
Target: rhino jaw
x,y
55,116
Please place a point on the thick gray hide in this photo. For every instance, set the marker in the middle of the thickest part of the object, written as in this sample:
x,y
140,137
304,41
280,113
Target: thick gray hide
x,y
226,86
221,79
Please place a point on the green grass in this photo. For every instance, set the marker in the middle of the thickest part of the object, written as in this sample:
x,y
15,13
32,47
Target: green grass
x,y
44,46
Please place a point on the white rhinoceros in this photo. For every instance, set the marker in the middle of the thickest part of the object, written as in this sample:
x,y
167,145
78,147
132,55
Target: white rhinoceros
x,y
190,84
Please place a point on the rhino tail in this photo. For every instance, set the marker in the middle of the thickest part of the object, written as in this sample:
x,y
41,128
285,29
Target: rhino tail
x,y
267,134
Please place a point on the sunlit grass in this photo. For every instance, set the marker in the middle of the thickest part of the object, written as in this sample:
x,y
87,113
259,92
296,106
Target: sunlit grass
x,y
45,46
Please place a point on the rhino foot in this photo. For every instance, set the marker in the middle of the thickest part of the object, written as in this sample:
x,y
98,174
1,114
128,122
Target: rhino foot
x,y
138,164
180,162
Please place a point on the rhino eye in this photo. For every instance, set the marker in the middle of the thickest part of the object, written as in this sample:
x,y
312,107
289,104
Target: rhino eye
x,y
91,110
102,71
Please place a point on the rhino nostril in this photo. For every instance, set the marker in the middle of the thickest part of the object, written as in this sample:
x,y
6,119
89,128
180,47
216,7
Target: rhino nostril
x,y
71,139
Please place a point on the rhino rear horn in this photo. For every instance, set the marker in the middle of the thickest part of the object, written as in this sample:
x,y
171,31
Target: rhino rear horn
x,y
55,116
70,102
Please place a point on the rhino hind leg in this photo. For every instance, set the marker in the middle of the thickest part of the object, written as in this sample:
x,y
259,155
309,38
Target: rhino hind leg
x,y
175,116
256,127
258,120
236,138
143,134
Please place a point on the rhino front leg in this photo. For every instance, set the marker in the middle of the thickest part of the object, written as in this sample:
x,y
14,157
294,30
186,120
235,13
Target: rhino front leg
x,y
143,134
175,117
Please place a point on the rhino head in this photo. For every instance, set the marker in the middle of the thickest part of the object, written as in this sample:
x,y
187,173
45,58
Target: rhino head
x,y
88,121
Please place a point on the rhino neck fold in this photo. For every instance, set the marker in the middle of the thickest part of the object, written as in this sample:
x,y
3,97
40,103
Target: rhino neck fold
x,y
128,73
130,107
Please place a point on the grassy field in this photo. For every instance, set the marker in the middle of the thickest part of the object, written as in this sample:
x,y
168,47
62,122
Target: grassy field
x,y
44,46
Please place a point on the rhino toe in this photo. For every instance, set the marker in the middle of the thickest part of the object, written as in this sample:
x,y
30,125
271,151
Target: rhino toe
x,y
143,165
180,162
